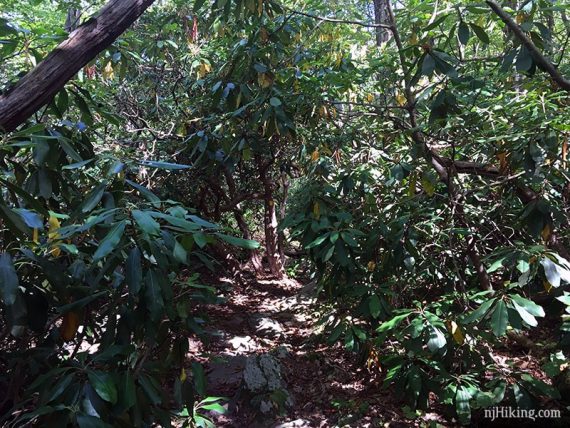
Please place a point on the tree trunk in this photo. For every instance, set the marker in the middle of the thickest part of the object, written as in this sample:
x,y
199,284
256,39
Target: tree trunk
x,y
282,210
254,256
41,84
274,260
381,17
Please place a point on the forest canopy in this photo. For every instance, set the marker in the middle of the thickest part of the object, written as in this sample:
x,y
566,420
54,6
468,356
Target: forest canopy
x,y
404,163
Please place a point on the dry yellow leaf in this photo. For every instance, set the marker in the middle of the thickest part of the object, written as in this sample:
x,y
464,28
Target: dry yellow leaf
x,y
338,59
183,375
35,236
456,332
414,39
316,210
315,155
371,266
546,232
69,325
108,71
203,69
401,100
503,163
547,286
265,80
53,227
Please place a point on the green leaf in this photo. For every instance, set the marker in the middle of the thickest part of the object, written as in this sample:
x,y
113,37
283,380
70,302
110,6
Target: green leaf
x,y
77,165
93,198
200,239
428,65
275,102
9,283
239,242
31,201
153,294
62,102
480,33
318,241
524,314
14,221
104,385
531,307
151,389
336,332
375,306
524,60
551,272
201,222
198,4
177,222
80,303
86,421
496,265
393,323
164,165
199,378
110,242
128,395
214,407
147,194
462,407
30,218
436,22
436,339
86,115
499,319
480,312
133,271
539,387
179,253
463,33
146,223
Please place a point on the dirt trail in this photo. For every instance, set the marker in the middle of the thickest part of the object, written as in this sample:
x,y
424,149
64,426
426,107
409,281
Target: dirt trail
x,y
279,317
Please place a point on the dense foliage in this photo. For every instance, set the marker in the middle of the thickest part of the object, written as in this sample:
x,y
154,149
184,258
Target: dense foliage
x,y
419,163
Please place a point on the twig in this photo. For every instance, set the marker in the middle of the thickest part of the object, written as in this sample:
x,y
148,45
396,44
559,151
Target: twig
x,y
336,20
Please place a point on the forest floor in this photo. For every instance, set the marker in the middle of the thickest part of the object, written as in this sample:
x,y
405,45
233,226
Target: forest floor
x,y
327,385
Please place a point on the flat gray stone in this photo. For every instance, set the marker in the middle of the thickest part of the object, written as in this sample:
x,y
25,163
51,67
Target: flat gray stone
x,y
267,327
297,423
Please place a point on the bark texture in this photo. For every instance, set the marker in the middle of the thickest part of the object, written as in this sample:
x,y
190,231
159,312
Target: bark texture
x,y
274,260
40,85
381,17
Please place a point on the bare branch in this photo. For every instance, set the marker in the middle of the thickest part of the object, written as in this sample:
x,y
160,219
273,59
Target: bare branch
x,y
541,61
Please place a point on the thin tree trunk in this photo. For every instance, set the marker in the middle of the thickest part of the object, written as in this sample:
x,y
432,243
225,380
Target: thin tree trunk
x,y
381,17
274,260
254,256
40,85
282,210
